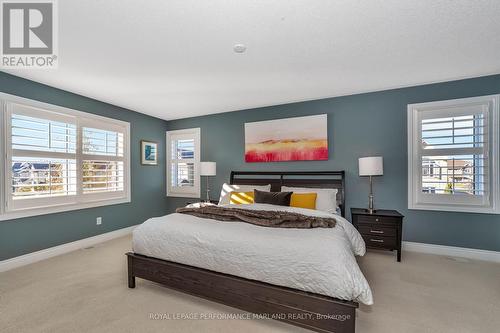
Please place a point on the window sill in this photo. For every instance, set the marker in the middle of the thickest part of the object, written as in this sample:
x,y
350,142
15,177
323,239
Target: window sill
x,y
59,209
456,209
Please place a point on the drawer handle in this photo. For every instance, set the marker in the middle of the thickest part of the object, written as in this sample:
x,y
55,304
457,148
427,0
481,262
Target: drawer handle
x,y
376,231
377,240
376,220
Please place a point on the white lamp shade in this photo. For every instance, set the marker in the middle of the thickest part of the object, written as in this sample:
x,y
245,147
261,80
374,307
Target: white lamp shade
x,y
371,166
208,168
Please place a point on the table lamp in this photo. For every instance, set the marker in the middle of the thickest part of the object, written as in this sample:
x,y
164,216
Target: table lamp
x,y
371,166
208,169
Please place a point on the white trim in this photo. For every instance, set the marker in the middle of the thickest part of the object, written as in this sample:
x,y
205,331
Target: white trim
x,y
34,207
489,204
33,257
184,192
452,251
58,209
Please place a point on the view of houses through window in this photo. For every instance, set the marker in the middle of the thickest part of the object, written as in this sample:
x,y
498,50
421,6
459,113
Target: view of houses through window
x,y
36,175
41,176
452,160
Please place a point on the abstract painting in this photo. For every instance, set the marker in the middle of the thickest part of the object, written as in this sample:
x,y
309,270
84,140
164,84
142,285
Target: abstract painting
x,y
149,153
289,139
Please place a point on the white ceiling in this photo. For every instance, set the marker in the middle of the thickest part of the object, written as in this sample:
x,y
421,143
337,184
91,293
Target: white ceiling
x,y
174,59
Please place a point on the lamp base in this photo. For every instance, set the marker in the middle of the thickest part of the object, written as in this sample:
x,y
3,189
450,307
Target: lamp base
x,y
370,211
208,189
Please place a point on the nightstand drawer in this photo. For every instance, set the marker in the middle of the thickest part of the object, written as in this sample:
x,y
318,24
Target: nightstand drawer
x,y
380,241
377,219
377,230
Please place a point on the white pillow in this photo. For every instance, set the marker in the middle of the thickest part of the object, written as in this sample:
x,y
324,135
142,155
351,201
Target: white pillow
x,y
226,190
326,199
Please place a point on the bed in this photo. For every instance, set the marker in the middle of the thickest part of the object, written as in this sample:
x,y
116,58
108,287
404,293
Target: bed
x,y
266,271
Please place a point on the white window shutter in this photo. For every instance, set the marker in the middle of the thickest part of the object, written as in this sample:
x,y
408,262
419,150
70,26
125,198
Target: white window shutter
x,y
453,148
60,159
183,163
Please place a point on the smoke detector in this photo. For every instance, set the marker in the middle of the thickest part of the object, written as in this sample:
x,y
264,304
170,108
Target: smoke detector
x,y
239,48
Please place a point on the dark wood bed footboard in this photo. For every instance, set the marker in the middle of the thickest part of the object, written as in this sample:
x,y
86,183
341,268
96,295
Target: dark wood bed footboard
x,y
315,312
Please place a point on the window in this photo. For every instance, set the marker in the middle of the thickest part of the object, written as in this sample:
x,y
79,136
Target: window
x,y
59,159
453,155
183,163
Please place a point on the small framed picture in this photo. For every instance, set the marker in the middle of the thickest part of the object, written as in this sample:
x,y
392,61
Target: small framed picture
x,y
149,153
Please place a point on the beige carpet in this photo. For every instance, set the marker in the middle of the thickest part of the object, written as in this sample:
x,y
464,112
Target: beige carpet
x,y
86,291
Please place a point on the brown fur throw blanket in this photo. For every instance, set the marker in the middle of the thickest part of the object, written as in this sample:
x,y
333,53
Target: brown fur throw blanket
x,y
264,218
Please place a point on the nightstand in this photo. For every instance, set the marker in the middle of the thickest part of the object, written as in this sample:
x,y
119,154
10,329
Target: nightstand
x,y
381,230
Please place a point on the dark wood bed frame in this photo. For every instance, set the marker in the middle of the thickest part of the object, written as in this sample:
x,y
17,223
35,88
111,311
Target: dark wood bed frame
x,y
313,311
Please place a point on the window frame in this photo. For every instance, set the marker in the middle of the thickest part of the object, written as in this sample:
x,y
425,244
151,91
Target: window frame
x,y
190,133
50,205
489,204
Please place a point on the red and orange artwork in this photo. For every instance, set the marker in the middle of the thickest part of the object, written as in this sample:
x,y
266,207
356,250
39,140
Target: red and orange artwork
x,y
289,139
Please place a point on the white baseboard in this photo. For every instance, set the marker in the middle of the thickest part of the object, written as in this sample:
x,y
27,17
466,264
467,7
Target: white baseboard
x,y
452,251
30,258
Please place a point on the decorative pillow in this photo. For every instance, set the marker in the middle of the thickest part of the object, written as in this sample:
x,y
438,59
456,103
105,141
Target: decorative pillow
x,y
325,201
238,198
303,200
226,190
273,198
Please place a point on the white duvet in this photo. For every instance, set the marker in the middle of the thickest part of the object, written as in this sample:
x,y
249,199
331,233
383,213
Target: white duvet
x,y
318,260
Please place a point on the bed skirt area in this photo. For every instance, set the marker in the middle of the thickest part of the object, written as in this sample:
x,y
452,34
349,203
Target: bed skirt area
x,y
312,311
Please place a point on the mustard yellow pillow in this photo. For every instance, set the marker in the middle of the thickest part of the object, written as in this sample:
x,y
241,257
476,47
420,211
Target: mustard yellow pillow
x,y
303,200
238,198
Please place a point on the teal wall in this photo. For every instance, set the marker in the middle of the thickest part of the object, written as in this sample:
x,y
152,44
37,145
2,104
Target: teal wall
x,y
26,235
358,125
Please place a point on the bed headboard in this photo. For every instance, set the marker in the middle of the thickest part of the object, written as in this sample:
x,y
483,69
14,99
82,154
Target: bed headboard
x,y
324,179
